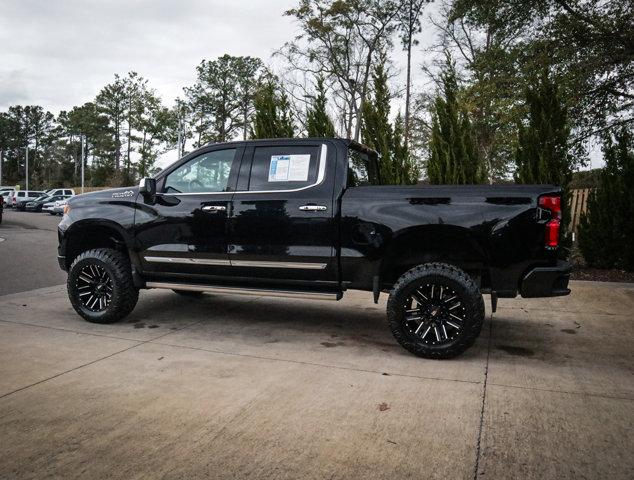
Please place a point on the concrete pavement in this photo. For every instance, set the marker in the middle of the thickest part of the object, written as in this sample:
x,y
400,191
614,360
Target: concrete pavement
x,y
28,251
237,387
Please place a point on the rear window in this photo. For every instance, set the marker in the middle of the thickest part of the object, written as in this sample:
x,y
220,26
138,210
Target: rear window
x,y
362,169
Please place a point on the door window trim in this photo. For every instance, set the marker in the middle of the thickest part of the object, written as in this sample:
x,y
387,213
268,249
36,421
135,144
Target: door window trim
x,y
321,175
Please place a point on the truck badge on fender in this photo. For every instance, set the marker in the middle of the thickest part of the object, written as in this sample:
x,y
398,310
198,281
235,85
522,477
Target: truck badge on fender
x,y
127,193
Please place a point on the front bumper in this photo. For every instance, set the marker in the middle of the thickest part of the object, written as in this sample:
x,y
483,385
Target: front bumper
x,y
546,281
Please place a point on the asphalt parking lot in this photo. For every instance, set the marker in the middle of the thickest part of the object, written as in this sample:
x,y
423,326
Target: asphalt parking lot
x,y
243,387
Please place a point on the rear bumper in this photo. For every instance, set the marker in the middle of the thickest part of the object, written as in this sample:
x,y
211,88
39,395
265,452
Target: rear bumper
x,y
546,281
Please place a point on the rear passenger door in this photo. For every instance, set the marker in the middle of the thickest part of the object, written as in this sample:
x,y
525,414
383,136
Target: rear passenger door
x,y
282,227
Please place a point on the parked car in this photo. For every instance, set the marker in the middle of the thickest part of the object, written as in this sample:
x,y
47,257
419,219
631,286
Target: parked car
x,y
20,198
54,208
48,207
61,191
60,207
310,218
37,204
6,196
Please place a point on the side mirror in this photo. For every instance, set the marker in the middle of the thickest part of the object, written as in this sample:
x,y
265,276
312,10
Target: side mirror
x,y
147,187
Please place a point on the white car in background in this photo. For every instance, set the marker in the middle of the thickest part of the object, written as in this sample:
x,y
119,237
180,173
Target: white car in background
x,y
6,196
60,191
55,208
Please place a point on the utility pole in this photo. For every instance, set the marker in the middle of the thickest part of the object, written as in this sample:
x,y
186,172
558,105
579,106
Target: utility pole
x,y
82,139
180,139
27,168
1,162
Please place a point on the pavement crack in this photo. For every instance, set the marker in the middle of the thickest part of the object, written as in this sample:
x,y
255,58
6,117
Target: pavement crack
x,y
484,397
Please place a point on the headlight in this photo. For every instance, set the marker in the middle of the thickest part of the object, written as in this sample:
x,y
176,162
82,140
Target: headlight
x,y
66,209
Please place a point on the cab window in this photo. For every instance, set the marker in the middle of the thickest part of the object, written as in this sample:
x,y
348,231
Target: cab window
x,y
284,168
206,173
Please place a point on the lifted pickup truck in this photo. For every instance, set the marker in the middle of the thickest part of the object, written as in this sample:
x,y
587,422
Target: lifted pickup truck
x,y
309,218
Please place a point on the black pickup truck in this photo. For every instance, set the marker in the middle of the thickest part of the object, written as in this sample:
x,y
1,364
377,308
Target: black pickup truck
x,y
309,218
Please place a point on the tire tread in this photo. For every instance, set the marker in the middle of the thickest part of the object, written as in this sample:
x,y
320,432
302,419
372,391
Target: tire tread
x,y
123,303
475,307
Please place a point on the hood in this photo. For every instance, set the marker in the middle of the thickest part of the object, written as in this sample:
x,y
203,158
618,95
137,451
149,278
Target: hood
x,y
123,193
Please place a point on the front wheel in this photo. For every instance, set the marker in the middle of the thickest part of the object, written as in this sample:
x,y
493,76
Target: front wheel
x,y
435,311
100,285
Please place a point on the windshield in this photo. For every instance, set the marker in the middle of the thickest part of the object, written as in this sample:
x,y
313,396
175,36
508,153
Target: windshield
x,y
43,197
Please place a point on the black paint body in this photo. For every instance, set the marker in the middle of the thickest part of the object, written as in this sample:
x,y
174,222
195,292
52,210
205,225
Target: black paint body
x,y
364,239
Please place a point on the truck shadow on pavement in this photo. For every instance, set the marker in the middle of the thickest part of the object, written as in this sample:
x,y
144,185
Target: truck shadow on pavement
x,y
265,321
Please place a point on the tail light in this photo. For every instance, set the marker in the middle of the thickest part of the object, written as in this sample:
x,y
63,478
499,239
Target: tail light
x,y
552,203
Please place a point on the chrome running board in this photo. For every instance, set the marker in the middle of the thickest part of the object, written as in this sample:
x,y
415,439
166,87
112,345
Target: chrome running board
x,y
258,292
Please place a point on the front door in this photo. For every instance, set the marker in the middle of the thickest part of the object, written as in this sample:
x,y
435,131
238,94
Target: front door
x,y
283,220
183,232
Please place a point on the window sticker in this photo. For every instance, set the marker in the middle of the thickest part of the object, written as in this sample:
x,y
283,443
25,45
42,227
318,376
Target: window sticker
x,y
289,168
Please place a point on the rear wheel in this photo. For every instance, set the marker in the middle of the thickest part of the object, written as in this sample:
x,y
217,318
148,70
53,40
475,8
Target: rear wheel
x,y
100,285
435,311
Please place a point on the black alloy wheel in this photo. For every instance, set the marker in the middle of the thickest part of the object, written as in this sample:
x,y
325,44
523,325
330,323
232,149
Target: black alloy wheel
x,y
95,288
434,313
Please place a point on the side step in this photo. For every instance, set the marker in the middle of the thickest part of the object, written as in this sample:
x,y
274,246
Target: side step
x,y
258,292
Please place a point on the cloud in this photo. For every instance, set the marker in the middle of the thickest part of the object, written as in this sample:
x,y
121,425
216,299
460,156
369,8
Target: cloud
x,y
13,87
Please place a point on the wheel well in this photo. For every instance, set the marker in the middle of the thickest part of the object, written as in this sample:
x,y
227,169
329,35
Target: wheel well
x,y
91,237
439,243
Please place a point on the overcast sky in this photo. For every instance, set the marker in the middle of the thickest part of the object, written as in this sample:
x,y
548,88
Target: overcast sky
x,y
60,53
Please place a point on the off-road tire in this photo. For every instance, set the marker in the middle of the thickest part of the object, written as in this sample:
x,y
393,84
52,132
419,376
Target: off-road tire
x,y
124,293
189,293
472,306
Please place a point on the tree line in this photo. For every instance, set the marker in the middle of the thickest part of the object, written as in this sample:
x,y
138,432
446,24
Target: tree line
x,y
515,92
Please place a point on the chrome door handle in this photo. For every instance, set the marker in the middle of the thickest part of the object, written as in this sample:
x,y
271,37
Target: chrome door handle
x,y
214,208
313,208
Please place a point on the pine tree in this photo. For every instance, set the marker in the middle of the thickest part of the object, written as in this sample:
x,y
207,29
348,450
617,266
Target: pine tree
x,y
318,123
605,231
454,156
541,154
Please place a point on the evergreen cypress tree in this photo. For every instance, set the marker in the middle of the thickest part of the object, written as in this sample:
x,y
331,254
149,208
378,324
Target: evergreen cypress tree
x,y
397,166
542,149
272,118
265,118
405,171
605,231
285,127
318,123
454,157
